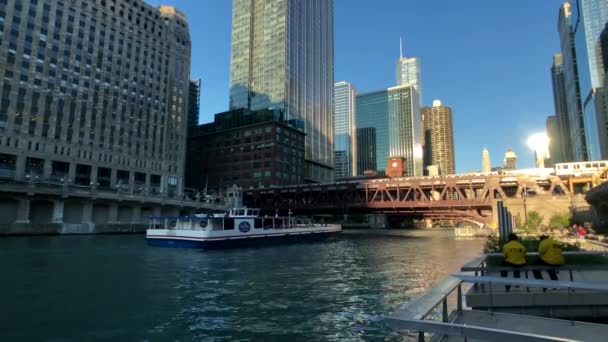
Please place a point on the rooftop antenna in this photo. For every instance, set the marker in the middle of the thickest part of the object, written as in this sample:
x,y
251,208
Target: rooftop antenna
x,y
400,47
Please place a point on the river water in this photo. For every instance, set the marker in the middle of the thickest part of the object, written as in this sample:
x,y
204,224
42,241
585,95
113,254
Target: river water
x,y
77,288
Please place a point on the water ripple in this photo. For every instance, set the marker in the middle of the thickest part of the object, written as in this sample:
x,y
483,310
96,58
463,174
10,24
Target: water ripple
x,y
115,287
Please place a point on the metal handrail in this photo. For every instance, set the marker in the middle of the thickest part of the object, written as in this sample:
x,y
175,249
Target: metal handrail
x,y
469,331
569,285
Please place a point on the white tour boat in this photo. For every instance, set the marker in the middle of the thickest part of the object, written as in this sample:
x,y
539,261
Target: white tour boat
x,y
237,227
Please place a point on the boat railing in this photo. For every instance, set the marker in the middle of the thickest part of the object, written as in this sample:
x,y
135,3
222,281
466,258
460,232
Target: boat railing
x,y
418,314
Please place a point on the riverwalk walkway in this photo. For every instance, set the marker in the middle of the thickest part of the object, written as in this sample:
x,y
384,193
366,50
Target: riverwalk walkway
x,y
533,310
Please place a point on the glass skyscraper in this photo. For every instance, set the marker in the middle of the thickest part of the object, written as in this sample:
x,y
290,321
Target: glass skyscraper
x,y
345,150
580,25
408,73
576,125
282,58
561,141
392,113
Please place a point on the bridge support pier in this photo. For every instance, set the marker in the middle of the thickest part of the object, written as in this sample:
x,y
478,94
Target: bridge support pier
x,y
377,221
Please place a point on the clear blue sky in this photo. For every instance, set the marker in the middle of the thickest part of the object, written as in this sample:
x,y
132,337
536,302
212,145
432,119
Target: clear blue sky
x,y
487,59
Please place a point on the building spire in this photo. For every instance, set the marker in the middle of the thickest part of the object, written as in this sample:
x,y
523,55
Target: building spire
x,y
400,47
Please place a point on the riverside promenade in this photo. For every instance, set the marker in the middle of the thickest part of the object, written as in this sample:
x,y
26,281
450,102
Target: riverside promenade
x,y
473,305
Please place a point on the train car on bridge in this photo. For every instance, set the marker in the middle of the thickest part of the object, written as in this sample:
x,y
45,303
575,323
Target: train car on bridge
x,y
586,168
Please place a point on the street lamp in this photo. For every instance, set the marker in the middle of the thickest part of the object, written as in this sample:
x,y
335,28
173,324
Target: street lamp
x,y
539,143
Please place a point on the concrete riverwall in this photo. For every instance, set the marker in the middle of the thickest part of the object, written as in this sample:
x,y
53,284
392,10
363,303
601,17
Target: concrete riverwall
x,y
8,229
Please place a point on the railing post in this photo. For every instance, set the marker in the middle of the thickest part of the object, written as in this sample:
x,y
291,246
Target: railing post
x,y
421,336
569,309
459,299
445,309
491,299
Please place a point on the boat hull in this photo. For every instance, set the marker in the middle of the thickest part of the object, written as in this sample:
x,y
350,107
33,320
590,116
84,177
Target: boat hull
x,y
184,242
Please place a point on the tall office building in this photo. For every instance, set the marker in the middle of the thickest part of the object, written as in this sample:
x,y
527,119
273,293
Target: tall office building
x,y
580,25
396,122
486,164
194,102
438,138
552,129
603,119
345,147
94,93
576,126
282,58
366,150
590,18
562,145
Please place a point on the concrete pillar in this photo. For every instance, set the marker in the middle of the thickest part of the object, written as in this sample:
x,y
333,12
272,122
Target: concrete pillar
x,y
58,207
47,168
23,211
94,177
72,173
147,187
20,167
113,173
113,213
180,185
163,184
87,212
131,182
136,218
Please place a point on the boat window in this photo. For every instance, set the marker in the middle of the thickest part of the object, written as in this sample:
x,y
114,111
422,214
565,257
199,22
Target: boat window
x,y
602,164
594,165
248,213
587,165
255,212
240,212
228,224
172,223
258,224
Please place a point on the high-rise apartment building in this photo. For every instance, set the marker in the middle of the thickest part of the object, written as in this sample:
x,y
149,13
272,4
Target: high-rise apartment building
x,y
486,164
94,93
561,140
282,58
345,147
438,138
408,73
194,102
396,122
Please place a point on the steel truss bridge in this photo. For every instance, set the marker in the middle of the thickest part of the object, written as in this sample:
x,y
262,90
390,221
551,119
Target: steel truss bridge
x,y
467,197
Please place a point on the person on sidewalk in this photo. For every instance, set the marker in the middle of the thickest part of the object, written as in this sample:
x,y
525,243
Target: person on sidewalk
x,y
515,256
550,252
